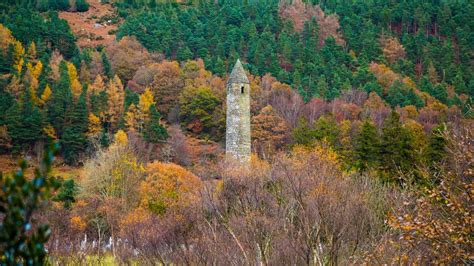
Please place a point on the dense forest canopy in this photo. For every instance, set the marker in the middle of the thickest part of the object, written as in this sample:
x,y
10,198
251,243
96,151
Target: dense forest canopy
x,y
361,126
334,48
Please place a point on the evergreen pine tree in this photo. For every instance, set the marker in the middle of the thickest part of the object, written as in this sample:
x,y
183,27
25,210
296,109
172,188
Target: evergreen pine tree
x,y
24,123
155,132
82,6
396,150
74,140
436,151
107,67
366,147
219,67
61,100
6,101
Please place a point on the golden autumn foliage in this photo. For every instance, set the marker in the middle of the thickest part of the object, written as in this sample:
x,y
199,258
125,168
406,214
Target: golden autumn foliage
x,y
132,118
120,138
95,126
111,181
45,95
77,223
137,116
385,76
145,101
36,70
50,132
97,86
76,86
126,56
116,97
18,54
5,38
392,49
137,217
321,150
195,74
169,188
31,52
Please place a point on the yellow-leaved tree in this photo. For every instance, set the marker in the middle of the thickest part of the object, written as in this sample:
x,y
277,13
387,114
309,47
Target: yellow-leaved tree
x,y
137,116
5,38
18,54
110,186
95,127
45,95
76,87
116,97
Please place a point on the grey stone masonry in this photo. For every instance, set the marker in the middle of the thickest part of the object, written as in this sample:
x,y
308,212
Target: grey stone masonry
x,y
238,115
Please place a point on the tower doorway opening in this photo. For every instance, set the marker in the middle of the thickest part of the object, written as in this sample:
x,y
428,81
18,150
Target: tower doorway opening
x,y
242,90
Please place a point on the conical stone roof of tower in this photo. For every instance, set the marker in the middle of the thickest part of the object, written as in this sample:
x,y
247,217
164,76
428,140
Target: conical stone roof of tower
x,y
238,74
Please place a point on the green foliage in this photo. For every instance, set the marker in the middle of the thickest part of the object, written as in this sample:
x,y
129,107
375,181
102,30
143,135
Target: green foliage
x,y
302,134
24,123
324,129
28,25
401,95
397,151
201,111
255,32
67,193
74,140
61,100
98,102
131,97
82,5
154,131
366,148
21,242
6,101
107,67
437,152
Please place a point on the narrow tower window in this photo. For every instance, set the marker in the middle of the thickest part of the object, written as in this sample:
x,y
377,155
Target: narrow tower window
x,y
242,89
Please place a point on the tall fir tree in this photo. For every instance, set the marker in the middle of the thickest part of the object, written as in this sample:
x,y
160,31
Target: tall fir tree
x,y
74,139
154,131
25,123
396,152
366,147
436,151
107,66
61,100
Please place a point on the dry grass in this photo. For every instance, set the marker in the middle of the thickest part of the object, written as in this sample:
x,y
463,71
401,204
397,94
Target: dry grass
x,y
9,164
86,26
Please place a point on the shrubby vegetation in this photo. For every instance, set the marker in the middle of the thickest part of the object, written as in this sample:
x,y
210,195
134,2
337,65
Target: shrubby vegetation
x,y
361,131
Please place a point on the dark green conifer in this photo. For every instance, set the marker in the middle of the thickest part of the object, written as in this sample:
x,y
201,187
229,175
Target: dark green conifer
x,y
397,150
154,131
74,140
366,147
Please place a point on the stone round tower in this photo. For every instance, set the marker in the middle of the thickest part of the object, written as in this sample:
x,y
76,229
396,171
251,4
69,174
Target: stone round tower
x,y
238,115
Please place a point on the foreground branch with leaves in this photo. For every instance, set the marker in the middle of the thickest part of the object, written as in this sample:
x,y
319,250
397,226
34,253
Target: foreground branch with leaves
x,y
21,240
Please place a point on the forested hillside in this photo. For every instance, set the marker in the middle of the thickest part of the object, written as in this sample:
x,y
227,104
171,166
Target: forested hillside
x,y
362,129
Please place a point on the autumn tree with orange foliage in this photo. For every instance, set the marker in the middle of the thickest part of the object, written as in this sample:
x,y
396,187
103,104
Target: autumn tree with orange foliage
x,y
300,12
169,188
269,132
392,49
126,56
167,85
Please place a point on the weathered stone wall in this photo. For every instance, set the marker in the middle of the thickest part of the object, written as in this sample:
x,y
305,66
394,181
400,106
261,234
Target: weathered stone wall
x,y
238,121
